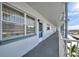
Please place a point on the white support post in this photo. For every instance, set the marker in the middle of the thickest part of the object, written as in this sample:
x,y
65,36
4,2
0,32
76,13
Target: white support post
x,y
25,23
1,23
37,28
66,49
77,50
70,48
36,24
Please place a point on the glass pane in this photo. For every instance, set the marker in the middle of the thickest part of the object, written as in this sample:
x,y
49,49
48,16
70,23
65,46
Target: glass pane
x,y
48,27
13,26
7,29
30,26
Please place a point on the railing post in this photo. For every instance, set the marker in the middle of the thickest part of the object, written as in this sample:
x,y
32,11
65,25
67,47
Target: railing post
x,y
70,49
66,48
77,50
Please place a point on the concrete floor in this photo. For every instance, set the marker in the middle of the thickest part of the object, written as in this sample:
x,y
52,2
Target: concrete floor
x,y
47,48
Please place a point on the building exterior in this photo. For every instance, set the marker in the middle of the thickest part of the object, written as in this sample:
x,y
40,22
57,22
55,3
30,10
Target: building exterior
x,y
23,25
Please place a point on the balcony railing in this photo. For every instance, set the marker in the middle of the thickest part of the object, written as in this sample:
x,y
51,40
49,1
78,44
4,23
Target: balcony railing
x,y
71,48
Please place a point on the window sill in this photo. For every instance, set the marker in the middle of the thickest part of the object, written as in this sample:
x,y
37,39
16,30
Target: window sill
x,y
15,39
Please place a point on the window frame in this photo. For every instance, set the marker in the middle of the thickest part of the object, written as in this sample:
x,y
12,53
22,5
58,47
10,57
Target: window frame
x,y
48,27
33,18
14,10
2,41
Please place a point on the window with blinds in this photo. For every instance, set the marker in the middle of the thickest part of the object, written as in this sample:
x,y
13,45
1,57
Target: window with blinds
x,y
30,25
12,23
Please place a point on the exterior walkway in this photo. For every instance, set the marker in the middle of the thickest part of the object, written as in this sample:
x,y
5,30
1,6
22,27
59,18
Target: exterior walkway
x,y
47,48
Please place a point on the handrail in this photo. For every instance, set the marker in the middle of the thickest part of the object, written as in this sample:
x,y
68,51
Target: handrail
x,y
66,39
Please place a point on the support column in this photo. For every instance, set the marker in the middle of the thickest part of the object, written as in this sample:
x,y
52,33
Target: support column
x,y
25,24
66,19
66,26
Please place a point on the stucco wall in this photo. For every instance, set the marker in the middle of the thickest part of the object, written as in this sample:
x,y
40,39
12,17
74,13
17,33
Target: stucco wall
x,y
19,48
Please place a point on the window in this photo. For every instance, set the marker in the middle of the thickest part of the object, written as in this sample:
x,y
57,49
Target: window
x,y
13,22
30,25
48,27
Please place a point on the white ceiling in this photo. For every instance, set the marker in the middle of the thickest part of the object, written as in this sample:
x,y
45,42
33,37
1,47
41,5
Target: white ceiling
x,y
50,10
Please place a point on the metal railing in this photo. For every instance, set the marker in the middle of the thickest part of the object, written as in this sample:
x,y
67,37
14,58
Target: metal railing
x,y
71,48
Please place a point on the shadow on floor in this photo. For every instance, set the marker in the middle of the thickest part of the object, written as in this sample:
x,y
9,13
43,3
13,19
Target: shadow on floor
x,y
47,48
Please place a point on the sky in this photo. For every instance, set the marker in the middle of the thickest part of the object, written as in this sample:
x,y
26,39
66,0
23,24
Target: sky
x,y
73,15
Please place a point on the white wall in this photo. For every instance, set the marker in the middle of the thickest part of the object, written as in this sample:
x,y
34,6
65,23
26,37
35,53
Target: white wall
x,y
21,47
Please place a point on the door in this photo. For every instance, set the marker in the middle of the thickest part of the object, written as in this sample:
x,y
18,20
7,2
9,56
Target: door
x,y
40,30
